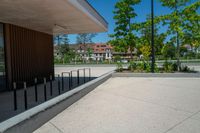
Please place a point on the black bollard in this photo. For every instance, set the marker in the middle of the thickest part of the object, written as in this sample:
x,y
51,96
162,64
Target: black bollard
x,y
36,91
45,89
51,88
15,95
84,74
25,97
78,78
62,82
71,80
59,85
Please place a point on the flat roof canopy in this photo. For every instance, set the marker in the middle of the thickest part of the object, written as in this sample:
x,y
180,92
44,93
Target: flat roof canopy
x,y
53,16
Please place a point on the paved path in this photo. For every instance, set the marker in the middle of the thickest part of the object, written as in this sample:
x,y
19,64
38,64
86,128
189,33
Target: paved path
x,y
96,71
133,105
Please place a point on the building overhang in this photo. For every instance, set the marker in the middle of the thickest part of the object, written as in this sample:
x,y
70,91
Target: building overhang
x,y
53,16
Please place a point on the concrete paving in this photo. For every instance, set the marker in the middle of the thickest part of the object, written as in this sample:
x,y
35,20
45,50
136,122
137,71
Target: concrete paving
x,y
133,105
96,70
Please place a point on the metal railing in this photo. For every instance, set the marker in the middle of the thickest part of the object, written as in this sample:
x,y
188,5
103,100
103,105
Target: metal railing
x,y
58,84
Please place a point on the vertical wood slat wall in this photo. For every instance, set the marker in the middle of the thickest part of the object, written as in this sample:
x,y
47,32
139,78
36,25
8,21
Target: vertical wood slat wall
x,y
31,54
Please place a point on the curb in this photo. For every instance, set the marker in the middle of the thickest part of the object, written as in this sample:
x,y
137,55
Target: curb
x,y
161,75
34,118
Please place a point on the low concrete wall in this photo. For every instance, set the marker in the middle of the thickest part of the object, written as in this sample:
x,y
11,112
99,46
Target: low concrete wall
x,y
32,119
162,75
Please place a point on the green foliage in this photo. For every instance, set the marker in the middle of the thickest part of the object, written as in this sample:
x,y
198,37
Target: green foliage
x,y
117,58
168,51
143,67
85,38
185,69
69,56
183,50
144,29
146,51
170,67
61,39
132,66
119,67
123,38
89,52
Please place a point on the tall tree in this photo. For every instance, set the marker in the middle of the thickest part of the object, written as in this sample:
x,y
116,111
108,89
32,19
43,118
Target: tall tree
x,y
144,29
192,25
175,21
124,38
61,39
85,38
63,45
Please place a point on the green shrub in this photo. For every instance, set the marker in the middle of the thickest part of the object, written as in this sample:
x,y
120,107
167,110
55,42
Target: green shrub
x,y
119,67
140,66
185,69
148,67
168,66
132,66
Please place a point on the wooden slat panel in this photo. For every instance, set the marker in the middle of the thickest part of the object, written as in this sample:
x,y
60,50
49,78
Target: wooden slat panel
x,y
30,54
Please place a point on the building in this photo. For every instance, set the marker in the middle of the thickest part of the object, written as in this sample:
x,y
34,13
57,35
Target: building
x,y
26,35
93,51
102,52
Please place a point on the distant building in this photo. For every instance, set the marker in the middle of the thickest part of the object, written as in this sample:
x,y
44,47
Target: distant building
x,y
99,52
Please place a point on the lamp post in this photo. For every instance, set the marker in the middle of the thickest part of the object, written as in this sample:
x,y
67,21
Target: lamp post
x,y
152,38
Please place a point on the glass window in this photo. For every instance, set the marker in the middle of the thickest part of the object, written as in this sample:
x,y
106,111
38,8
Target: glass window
x,y
2,60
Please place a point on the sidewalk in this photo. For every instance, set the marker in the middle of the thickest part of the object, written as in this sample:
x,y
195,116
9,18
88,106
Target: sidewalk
x,y
133,105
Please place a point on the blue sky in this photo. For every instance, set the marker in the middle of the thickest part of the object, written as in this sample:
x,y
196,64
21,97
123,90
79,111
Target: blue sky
x,y
106,7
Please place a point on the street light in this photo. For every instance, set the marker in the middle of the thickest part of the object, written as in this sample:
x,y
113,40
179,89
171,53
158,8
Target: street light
x,y
152,38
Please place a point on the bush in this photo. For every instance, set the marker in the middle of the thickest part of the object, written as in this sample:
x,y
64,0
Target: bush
x,y
185,69
168,67
119,67
132,66
140,66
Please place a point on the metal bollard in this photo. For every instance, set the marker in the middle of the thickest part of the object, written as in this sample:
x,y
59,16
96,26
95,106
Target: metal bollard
x,y
59,85
84,74
15,95
71,80
62,82
36,90
45,89
51,88
25,97
89,74
78,78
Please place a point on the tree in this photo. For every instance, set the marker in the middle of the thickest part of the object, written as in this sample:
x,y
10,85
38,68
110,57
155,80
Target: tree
x,y
175,21
62,51
192,25
168,51
61,39
62,42
146,51
85,38
124,38
144,29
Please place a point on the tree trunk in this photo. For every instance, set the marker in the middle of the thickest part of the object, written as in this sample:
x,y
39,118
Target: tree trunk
x,y
178,52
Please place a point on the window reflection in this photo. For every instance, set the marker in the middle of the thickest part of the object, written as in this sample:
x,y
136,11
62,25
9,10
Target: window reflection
x,y
2,59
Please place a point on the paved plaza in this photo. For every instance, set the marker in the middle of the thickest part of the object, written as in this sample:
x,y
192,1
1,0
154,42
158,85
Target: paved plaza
x,y
133,105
